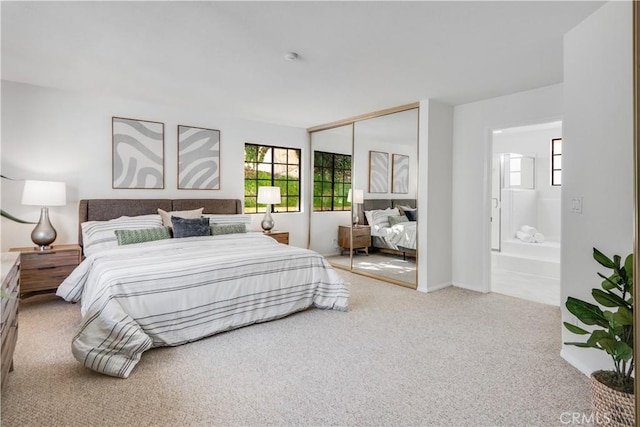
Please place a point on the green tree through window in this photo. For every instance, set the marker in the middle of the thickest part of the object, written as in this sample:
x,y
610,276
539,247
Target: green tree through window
x,y
331,181
271,166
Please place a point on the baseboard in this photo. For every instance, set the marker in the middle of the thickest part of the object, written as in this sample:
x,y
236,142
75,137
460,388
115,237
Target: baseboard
x,y
467,287
433,288
576,363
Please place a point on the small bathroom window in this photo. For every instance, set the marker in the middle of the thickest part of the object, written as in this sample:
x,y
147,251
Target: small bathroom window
x,y
556,161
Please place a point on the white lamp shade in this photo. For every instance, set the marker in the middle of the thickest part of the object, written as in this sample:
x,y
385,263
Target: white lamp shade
x,y
269,195
355,196
44,193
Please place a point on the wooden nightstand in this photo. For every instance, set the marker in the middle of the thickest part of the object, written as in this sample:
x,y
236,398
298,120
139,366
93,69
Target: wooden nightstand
x,y
279,236
43,271
9,324
361,238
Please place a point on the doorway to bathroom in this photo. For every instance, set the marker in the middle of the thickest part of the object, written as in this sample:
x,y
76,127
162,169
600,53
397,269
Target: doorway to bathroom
x,y
525,212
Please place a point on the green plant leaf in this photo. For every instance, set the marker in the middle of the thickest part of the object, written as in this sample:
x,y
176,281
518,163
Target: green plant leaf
x,y
609,345
616,262
623,316
628,266
602,259
607,299
587,313
623,351
607,285
575,329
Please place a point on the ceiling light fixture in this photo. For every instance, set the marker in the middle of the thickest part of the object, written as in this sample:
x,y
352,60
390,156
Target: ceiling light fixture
x,y
291,56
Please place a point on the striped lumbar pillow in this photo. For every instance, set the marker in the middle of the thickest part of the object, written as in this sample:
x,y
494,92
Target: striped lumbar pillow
x,y
128,237
217,229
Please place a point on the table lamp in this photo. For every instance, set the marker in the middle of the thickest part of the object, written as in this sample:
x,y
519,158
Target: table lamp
x,y
355,197
44,194
269,196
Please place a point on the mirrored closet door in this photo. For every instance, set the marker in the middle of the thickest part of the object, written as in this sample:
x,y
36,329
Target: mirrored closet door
x,y
378,237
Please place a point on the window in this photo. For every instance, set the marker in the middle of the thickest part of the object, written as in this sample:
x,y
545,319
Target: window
x,y
271,167
556,161
331,181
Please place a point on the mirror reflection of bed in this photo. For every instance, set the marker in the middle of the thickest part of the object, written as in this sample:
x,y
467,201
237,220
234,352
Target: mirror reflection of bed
x,y
391,224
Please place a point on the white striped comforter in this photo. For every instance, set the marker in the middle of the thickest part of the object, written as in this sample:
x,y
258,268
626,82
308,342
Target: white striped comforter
x,y
401,235
173,291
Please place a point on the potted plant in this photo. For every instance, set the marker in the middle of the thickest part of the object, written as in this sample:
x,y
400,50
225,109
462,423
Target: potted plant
x,y
611,331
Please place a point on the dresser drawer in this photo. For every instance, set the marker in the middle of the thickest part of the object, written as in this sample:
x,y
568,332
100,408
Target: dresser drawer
x,y
49,259
9,310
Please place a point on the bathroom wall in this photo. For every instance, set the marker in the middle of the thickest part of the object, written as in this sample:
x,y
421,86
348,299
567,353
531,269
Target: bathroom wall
x,y
535,141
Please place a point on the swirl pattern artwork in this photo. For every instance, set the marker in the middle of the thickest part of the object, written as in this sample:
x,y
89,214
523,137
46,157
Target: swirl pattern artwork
x,y
378,172
138,154
198,158
399,173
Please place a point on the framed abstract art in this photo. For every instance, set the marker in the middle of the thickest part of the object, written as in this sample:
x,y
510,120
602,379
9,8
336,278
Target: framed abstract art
x,y
198,158
138,154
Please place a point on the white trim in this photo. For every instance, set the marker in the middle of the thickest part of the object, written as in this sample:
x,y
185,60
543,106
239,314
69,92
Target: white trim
x,y
577,363
468,287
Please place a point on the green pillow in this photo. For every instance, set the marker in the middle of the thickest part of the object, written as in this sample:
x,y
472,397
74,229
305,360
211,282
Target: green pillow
x,y
128,237
397,219
217,229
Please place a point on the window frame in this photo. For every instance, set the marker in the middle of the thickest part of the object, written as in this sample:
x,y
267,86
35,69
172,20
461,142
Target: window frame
x,y
285,195
554,169
346,205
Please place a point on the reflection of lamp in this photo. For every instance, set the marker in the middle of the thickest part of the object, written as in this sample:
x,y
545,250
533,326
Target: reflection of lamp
x,y
44,194
355,198
269,196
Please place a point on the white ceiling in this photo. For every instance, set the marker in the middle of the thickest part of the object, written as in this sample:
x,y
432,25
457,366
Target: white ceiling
x,y
227,57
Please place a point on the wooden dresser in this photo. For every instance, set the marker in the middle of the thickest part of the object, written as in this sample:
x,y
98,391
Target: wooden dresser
x,y
43,271
361,238
9,324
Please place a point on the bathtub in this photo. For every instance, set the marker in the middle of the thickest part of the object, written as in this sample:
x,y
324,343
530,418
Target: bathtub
x,y
540,259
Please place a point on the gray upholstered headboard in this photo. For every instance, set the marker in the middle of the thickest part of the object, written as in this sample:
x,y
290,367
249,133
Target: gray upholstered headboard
x,y
374,204
106,209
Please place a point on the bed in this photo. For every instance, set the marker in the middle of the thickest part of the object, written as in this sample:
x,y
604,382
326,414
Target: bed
x,y
168,292
396,238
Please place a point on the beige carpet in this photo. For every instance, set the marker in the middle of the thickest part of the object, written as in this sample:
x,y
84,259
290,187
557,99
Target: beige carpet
x,y
398,357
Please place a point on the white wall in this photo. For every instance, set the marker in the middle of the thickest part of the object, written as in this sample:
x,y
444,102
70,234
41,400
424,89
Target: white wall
x,y
57,135
471,214
435,195
598,157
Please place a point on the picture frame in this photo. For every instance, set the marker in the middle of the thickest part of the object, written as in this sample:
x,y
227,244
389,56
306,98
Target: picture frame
x,y
378,172
198,158
137,154
399,174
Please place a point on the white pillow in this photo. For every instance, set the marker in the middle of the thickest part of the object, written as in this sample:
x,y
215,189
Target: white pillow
x,y
380,219
100,235
229,219
166,216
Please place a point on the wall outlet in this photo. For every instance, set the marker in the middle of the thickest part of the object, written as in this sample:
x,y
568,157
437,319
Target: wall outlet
x,y
576,205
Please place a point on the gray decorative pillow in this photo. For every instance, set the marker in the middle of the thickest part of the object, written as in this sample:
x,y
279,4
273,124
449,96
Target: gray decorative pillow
x,y
412,215
393,220
128,237
217,229
188,227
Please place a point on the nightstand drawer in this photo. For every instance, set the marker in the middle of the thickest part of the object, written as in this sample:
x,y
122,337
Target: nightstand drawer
x,y
36,260
361,241
361,232
44,277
